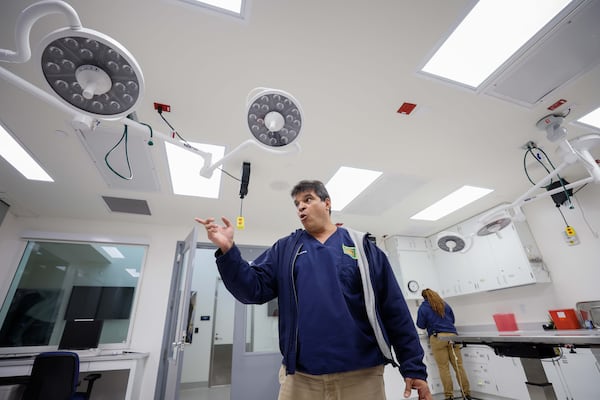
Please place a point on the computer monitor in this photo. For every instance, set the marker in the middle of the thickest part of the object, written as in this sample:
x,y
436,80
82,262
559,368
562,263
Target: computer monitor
x,y
81,335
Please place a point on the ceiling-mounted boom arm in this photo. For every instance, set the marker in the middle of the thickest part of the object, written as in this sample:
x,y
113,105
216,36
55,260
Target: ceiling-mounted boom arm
x,y
26,20
107,85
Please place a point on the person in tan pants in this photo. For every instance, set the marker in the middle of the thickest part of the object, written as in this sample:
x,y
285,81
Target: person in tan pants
x,y
437,317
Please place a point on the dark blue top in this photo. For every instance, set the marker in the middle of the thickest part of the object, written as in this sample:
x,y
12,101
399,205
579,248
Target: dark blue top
x,y
334,333
323,325
430,320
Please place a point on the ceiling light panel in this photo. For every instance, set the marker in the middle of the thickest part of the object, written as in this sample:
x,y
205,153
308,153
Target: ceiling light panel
x,y
347,183
184,167
232,7
454,201
591,119
488,36
20,159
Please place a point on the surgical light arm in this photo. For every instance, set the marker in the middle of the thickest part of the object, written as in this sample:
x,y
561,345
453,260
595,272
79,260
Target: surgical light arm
x,y
280,132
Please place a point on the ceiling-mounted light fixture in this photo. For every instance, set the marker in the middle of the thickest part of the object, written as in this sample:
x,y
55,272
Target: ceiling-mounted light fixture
x,y
92,72
453,242
494,227
552,125
89,71
274,117
572,151
95,78
275,120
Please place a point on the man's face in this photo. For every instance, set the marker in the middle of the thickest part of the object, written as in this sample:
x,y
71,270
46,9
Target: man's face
x,y
312,211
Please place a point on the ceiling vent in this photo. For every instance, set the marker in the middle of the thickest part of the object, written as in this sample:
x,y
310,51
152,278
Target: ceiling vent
x,y
559,54
130,206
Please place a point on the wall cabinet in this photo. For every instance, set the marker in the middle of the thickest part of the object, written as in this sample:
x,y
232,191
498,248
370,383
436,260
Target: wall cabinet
x,y
411,260
505,259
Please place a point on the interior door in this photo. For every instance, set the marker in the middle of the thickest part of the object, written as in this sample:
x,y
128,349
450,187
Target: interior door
x,y
222,343
254,375
177,334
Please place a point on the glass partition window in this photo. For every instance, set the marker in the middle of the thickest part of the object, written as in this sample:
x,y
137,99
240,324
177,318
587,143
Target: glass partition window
x,y
60,281
262,327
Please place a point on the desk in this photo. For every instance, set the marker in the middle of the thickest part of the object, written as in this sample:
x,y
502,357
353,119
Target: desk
x,y
531,347
131,361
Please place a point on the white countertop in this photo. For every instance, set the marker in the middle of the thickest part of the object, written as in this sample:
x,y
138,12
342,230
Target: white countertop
x,y
581,337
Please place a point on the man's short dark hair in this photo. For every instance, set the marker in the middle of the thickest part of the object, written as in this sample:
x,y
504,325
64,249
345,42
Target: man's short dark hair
x,y
306,186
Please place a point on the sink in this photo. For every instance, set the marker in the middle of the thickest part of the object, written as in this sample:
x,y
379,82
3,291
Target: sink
x,y
590,310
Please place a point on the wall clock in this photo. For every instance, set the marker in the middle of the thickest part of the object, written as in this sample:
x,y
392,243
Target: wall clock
x,y
413,286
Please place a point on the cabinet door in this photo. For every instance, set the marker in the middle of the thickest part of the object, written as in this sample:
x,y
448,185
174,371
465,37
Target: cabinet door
x,y
510,377
411,260
510,259
417,266
450,272
575,375
476,361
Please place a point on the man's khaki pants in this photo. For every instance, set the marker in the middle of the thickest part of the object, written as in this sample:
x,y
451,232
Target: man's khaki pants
x,y
361,384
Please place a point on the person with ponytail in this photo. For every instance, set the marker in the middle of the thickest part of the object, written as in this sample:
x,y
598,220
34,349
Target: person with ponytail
x,y
437,317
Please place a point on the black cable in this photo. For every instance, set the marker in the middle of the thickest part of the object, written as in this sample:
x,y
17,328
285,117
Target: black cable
x,y
171,126
228,174
529,151
150,141
563,216
561,180
123,136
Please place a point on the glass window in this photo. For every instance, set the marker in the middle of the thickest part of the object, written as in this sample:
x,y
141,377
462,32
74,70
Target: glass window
x,y
59,281
262,327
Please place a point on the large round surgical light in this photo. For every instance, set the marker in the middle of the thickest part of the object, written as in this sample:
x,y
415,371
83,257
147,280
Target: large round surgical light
x,y
274,117
91,72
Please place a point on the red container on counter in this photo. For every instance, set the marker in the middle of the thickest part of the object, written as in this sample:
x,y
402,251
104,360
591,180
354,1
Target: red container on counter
x,y
505,322
565,319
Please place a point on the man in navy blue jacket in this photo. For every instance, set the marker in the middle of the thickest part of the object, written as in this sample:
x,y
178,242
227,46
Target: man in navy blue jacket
x,y
340,307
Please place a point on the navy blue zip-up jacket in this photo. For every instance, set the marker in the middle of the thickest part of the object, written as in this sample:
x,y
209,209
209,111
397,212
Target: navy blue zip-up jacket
x,y
263,281
430,320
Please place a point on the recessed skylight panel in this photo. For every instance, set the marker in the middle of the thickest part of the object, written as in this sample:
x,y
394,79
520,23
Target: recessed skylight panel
x,y
452,202
592,119
488,36
347,183
185,165
20,159
228,6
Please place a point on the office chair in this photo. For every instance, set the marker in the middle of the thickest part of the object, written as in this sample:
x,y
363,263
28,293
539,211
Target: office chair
x,y
55,375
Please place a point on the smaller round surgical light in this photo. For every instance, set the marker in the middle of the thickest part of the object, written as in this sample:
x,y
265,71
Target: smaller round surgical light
x,y
274,117
494,226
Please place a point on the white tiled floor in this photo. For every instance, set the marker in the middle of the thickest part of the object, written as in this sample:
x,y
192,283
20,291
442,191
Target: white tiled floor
x,y
205,393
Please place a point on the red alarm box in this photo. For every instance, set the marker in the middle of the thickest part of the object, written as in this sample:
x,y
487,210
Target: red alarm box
x,y
565,319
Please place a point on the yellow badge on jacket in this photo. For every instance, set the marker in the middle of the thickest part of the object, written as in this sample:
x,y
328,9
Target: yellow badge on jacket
x,y
351,251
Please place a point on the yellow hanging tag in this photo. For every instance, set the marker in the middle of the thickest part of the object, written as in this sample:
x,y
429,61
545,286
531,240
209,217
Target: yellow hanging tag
x,y
240,223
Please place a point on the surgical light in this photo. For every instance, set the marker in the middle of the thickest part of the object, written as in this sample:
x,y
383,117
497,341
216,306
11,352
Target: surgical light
x,y
95,79
89,71
274,117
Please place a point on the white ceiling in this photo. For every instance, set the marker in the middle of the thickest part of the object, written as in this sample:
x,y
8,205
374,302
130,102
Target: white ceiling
x,y
350,64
